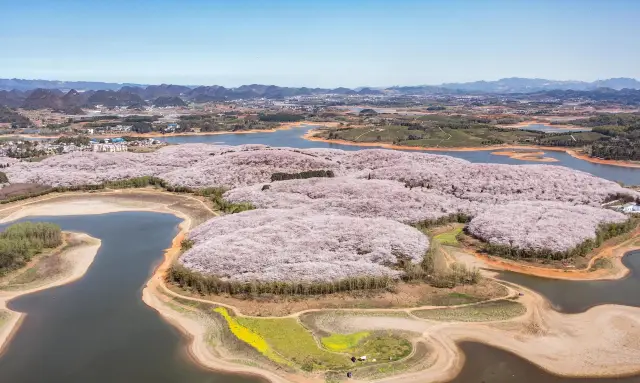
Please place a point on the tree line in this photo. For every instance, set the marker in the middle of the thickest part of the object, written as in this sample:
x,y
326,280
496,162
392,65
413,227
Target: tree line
x,y
604,232
302,175
20,242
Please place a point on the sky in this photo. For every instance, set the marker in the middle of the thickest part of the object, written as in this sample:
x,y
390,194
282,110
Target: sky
x,y
325,43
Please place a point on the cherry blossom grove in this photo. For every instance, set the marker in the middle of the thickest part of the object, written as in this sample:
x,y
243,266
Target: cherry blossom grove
x,y
356,197
554,226
202,165
299,245
528,206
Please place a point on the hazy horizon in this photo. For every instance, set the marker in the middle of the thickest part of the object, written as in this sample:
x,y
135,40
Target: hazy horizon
x,y
298,86
319,44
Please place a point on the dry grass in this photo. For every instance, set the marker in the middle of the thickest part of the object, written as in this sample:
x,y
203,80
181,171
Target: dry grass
x,y
484,312
403,295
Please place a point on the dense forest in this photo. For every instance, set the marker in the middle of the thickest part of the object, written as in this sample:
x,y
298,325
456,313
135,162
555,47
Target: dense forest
x,y
621,135
20,242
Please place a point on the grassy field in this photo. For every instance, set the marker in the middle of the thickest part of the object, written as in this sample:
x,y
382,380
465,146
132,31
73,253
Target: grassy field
x,y
343,343
443,137
286,341
453,299
449,238
484,312
250,337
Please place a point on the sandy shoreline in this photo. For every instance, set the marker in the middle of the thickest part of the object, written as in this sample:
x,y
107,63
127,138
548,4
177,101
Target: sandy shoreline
x,y
614,253
571,345
79,257
525,156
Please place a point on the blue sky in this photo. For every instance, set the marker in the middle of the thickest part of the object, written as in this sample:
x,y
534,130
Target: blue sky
x,y
318,43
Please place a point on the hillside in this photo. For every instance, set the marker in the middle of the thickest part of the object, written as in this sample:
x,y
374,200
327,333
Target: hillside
x,y
12,99
23,94
168,101
10,116
112,99
44,99
21,84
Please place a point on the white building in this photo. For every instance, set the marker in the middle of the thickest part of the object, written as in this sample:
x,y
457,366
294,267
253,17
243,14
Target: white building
x,y
109,148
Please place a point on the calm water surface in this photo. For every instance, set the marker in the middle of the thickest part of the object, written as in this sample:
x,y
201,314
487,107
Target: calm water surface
x,y
486,364
97,329
293,138
578,296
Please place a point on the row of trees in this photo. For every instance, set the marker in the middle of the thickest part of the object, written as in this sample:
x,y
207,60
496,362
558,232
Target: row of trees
x,y
426,271
302,175
617,149
604,232
210,284
429,270
281,117
21,241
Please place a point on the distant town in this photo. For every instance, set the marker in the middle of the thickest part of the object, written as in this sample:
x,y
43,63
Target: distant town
x,y
586,117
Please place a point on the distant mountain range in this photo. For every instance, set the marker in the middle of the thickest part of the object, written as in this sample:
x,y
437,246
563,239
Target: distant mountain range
x,y
531,85
22,85
70,96
505,85
158,95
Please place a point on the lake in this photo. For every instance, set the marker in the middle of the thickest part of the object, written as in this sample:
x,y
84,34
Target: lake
x,y
578,296
98,329
293,138
486,364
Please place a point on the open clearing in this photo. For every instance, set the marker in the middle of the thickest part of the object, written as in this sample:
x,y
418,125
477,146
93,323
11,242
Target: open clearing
x,y
490,311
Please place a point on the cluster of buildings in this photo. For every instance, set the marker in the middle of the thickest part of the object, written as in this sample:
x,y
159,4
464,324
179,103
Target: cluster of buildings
x,y
107,129
37,148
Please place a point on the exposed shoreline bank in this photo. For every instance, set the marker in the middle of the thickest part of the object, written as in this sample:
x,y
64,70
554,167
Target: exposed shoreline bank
x,y
443,336
79,258
525,156
614,253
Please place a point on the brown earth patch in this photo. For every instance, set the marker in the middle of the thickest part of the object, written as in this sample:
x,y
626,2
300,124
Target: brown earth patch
x,y
404,295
